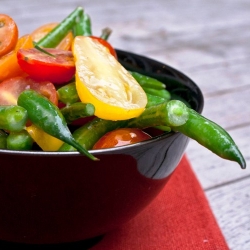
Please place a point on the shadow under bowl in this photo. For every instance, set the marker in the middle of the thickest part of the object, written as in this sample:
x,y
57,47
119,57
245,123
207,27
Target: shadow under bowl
x,y
56,197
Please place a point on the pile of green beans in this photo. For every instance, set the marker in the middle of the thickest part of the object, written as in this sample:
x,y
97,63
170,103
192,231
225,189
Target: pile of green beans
x,y
161,111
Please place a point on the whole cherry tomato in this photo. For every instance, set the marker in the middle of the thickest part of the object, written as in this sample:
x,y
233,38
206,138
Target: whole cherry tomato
x,y
57,67
10,89
121,137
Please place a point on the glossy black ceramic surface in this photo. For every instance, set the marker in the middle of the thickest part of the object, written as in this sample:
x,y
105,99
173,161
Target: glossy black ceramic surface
x,y
54,197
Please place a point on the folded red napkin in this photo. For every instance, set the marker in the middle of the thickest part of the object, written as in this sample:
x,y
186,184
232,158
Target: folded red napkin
x,y
179,218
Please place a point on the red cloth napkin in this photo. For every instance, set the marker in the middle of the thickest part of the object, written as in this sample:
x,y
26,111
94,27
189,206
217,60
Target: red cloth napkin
x,y
179,218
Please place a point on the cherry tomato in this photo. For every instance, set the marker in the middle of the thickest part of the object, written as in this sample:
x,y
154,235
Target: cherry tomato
x,y
8,34
8,63
106,44
121,137
117,96
58,68
40,32
10,89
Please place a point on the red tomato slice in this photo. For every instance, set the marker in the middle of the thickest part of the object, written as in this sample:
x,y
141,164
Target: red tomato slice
x,y
10,89
106,44
58,69
121,137
8,34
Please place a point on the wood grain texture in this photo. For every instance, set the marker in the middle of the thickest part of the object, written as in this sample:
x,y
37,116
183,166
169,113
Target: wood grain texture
x,y
208,41
232,212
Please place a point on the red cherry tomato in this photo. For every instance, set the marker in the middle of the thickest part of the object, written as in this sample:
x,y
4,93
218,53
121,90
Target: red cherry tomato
x,y
106,44
59,68
121,137
10,89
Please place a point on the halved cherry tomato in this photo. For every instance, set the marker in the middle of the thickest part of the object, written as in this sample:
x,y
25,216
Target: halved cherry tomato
x,y
8,34
102,81
121,137
40,32
10,89
59,68
106,44
8,63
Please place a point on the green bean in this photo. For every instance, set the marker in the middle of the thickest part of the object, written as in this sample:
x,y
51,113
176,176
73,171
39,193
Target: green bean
x,y
47,116
55,36
83,26
77,110
13,118
176,115
212,136
19,141
3,139
68,93
154,100
152,86
171,114
91,132
158,92
147,82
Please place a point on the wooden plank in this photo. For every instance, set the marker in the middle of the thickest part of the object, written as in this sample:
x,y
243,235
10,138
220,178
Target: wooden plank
x,y
230,109
218,79
231,208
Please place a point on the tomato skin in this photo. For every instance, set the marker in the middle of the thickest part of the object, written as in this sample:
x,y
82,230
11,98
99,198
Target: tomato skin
x,y
8,63
57,69
8,34
101,80
121,137
106,44
10,89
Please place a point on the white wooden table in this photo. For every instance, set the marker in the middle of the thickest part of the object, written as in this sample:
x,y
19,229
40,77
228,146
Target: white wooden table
x,y
207,40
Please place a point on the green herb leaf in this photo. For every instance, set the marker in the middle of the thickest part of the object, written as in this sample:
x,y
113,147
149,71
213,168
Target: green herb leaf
x,y
42,50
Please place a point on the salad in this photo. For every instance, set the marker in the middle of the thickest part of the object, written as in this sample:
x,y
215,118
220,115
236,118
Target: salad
x,y
61,74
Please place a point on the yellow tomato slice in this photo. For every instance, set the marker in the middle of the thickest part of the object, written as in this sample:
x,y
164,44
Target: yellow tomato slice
x,y
104,82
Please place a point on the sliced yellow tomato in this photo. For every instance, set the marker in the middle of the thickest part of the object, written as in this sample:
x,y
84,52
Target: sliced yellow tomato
x,y
45,141
104,82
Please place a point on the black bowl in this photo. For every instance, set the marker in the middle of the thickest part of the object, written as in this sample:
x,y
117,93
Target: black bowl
x,y
55,197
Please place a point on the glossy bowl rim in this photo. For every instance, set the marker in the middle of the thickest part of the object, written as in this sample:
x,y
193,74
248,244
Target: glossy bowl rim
x,y
120,148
